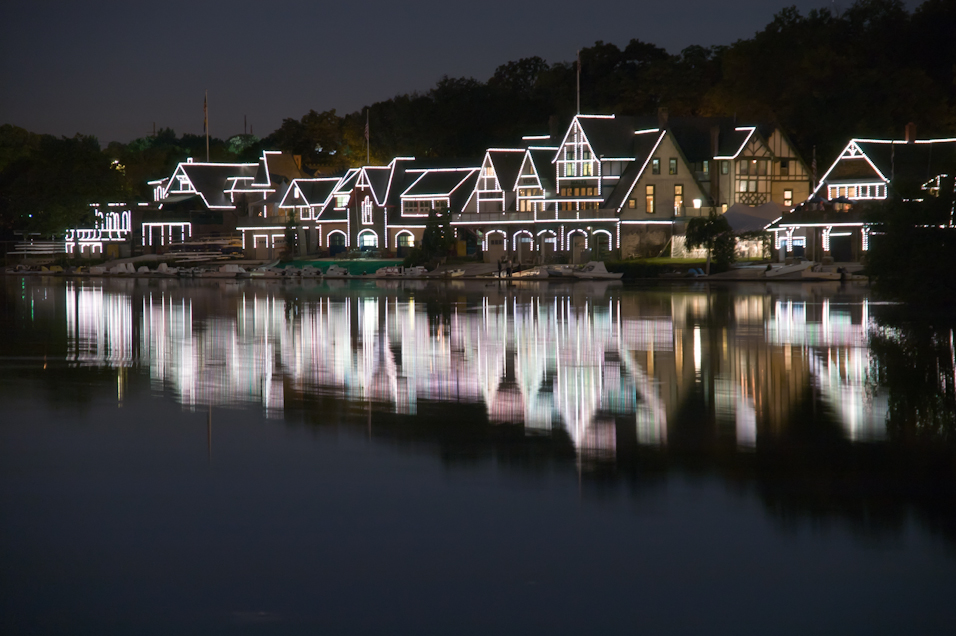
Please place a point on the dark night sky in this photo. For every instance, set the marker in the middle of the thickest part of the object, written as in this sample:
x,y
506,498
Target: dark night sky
x,y
111,68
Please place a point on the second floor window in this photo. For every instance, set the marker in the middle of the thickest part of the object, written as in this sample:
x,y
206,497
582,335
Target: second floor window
x,y
655,166
788,197
649,198
672,165
785,168
367,211
678,197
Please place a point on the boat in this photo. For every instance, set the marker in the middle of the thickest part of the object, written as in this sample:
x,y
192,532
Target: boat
x,y
454,273
416,271
309,271
337,271
392,271
595,270
534,272
165,270
560,271
788,269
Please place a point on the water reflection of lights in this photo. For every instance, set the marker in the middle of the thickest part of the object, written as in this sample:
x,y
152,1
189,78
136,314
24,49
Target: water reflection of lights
x,y
838,358
98,326
542,362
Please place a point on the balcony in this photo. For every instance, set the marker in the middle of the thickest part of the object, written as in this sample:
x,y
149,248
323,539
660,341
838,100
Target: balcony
x,y
492,217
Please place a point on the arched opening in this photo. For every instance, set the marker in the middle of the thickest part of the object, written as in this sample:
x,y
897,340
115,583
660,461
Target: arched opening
x,y
367,240
600,244
577,245
523,242
496,245
336,241
404,242
547,245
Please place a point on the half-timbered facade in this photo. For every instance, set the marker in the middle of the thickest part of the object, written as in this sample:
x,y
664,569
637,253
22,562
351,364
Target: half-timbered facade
x,y
830,226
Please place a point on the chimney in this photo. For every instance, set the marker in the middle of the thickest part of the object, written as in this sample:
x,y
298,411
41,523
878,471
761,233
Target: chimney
x,y
910,133
662,117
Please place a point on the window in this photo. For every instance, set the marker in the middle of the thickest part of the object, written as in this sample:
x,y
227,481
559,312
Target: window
x,y
655,166
762,167
368,240
586,169
724,167
705,168
788,197
632,203
406,240
649,198
367,211
743,167
678,197
672,165
489,171
785,168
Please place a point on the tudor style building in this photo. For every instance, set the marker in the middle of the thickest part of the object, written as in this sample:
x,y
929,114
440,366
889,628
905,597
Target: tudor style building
x,y
829,225
608,185
624,185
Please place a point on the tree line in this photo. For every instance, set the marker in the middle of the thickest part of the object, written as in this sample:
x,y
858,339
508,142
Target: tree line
x,y
823,77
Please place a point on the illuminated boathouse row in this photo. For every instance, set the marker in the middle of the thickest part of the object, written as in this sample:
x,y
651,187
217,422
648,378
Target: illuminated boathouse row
x,y
607,185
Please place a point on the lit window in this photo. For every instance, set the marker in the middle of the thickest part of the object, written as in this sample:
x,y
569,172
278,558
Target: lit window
x,y
586,170
489,171
678,198
706,168
672,165
632,203
655,166
367,211
406,240
724,167
788,197
649,198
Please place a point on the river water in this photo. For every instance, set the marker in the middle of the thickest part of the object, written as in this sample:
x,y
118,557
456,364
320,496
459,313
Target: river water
x,y
465,457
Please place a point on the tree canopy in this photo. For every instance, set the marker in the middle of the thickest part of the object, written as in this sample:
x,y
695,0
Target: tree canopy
x,y
824,77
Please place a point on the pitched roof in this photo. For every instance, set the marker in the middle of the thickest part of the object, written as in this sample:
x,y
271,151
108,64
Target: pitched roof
x,y
507,163
907,165
309,192
541,157
378,178
914,163
438,182
608,136
645,143
210,180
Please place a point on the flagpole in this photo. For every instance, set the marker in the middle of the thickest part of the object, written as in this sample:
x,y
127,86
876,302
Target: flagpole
x,y
205,116
368,150
579,82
